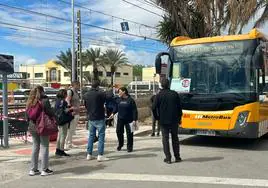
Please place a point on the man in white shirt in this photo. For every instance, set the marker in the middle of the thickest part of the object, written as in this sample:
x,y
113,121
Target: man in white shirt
x,y
73,100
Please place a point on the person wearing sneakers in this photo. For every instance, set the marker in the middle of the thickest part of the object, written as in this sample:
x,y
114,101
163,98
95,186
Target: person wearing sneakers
x,y
73,101
167,109
94,103
36,103
64,116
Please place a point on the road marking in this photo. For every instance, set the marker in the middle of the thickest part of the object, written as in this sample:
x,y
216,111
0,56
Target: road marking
x,y
175,179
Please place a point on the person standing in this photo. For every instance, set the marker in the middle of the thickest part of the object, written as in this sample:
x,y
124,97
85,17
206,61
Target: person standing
x,y
37,101
127,118
167,109
154,120
94,103
73,101
64,116
109,104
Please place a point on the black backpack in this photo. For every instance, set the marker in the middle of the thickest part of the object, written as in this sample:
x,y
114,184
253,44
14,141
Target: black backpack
x,y
62,117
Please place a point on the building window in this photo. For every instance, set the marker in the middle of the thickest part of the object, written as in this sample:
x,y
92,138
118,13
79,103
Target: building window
x,y
53,75
108,74
125,73
38,75
59,76
28,75
67,74
117,74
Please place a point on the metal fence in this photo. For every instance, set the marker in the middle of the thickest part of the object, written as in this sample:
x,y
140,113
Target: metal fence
x,y
17,122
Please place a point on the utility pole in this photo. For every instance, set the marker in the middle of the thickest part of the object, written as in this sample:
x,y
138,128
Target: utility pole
x,y
74,71
5,110
79,52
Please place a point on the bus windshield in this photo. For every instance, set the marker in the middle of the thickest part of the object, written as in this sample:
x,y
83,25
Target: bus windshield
x,y
215,68
214,76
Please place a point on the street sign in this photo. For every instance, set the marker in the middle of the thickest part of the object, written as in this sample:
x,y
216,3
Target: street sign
x,y
124,26
6,64
16,76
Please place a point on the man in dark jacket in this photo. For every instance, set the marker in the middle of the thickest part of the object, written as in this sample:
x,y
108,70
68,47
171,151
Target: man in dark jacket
x,y
154,120
94,103
167,109
110,104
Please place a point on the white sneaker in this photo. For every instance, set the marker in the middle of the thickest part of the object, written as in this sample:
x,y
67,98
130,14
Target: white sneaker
x,y
34,172
46,172
89,157
102,158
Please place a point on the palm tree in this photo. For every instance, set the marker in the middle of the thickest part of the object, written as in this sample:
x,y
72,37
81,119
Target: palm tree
x,y
113,59
93,57
65,59
201,18
239,13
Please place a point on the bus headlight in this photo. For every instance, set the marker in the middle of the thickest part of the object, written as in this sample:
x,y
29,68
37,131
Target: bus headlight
x,y
242,118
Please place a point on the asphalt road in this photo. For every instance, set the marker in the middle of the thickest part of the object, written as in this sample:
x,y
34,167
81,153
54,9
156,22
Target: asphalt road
x,y
207,162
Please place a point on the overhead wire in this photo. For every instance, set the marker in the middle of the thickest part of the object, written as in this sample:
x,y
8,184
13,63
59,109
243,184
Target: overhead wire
x,y
85,24
69,34
100,12
149,3
143,8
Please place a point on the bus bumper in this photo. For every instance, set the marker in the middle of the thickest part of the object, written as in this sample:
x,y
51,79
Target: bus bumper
x,y
250,130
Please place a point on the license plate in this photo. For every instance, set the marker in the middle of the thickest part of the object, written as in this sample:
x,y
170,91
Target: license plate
x,y
206,133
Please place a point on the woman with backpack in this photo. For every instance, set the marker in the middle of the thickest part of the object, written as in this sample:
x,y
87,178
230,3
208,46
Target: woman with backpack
x,y
36,103
64,116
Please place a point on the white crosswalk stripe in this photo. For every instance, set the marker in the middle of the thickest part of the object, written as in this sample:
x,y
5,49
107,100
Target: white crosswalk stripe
x,y
173,179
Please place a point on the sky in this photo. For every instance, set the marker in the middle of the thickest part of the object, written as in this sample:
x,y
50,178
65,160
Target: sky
x,y
35,31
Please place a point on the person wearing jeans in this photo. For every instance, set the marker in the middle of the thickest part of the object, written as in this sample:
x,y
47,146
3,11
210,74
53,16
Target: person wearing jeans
x,y
93,126
37,95
94,103
44,142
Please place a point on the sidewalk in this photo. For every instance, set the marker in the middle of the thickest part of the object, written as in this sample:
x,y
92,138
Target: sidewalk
x,y
21,151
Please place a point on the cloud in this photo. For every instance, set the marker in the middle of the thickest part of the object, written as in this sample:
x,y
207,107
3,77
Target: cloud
x,y
140,57
24,60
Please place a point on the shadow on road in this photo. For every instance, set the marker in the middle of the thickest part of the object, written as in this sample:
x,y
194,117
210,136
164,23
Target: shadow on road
x,y
150,149
203,159
129,156
81,169
231,143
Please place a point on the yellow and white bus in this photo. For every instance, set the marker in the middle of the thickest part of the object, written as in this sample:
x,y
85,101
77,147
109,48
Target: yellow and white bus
x,y
221,83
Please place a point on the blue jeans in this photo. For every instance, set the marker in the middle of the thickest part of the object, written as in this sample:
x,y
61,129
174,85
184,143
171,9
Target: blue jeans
x,y
92,127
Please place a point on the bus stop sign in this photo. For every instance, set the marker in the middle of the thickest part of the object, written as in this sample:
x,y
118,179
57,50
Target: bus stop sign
x,y
6,64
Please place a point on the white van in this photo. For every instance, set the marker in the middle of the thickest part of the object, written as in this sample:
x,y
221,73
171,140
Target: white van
x,y
143,86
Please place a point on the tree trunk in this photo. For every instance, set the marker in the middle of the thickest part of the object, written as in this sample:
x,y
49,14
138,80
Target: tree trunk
x,y
95,71
112,78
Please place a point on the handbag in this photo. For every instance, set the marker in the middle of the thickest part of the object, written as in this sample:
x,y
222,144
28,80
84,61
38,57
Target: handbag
x,y
45,125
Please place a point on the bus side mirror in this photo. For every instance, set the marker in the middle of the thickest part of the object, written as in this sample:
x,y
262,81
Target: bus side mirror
x,y
158,61
158,64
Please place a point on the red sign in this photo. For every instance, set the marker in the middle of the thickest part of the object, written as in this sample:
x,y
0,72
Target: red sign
x,y
185,83
55,85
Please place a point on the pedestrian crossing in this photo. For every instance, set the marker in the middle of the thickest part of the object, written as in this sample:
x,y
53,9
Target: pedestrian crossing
x,y
172,179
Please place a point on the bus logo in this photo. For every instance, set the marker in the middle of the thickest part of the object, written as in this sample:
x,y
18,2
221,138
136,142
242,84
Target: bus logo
x,y
212,117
